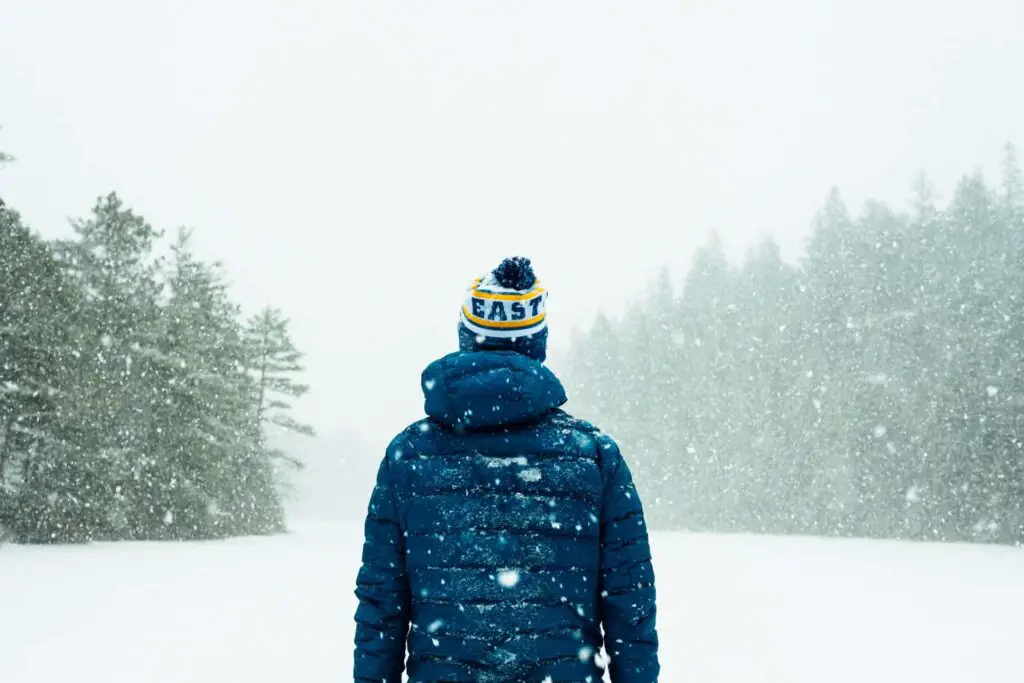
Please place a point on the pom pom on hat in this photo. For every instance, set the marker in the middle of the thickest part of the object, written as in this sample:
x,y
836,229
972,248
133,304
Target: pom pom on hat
x,y
515,273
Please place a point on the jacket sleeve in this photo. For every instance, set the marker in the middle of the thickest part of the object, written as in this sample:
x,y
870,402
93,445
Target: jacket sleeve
x,y
382,586
627,577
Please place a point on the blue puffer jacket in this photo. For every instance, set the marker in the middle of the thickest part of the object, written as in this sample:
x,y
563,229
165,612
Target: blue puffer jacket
x,y
501,536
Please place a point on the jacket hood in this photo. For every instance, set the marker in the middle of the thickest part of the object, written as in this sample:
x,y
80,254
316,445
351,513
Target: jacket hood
x,y
488,389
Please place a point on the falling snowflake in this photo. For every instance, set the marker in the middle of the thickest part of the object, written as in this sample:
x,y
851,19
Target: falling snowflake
x,y
508,578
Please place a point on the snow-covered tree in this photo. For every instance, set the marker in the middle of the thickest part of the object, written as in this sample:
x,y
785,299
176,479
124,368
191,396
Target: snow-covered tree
x,y
274,363
214,479
47,492
877,388
128,405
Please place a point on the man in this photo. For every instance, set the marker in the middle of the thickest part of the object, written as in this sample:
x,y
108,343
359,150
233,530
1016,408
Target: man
x,y
503,534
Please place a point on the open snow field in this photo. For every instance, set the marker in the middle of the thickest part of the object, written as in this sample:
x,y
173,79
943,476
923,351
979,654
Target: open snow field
x,y
739,609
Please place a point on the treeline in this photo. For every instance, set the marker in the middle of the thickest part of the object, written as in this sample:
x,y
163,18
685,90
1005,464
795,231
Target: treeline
x,y
135,401
875,388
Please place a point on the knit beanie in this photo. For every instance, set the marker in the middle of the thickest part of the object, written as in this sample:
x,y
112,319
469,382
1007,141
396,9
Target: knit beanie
x,y
506,310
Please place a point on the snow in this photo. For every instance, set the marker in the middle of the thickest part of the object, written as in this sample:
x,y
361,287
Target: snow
x,y
508,578
530,475
519,460
731,608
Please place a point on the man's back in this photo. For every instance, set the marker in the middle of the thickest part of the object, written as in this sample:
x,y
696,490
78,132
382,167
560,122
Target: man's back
x,y
501,536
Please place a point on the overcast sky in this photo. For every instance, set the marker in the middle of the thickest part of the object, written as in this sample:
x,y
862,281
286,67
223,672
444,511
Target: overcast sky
x,y
358,163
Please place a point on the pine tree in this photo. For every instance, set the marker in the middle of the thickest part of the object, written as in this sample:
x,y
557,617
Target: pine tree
x,y
213,483
112,263
648,391
1009,399
708,327
972,359
594,372
835,314
129,408
874,390
46,493
274,362
770,402
924,386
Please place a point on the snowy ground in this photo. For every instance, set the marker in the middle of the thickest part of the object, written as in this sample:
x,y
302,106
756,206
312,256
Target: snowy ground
x,y
738,609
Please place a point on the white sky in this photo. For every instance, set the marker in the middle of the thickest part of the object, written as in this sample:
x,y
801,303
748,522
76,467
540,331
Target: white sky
x,y
358,163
